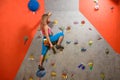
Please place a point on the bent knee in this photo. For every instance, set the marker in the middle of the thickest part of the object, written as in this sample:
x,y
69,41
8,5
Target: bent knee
x,y
61,34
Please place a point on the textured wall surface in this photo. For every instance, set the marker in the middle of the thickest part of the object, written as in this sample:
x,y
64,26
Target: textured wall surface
x,y
105,66
17,23
105,20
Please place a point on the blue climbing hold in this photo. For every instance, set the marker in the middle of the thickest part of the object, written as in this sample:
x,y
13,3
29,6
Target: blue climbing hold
x,y
40,73
80,65
33,5
83,67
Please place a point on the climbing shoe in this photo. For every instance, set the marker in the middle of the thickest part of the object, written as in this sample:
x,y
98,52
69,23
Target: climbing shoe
x,y
59,47
41,68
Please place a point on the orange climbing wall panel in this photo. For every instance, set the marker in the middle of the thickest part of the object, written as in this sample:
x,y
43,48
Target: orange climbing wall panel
x,y
107,22
16,21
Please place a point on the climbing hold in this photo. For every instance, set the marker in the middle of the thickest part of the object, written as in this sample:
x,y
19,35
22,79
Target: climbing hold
x,y
53,74
76,42
30,78
33,5
61,49
96,1
68,28
75,22
83,49
82,66
90,64
68,42
112,8
64,75
72,75
55,22
107,51
61,52
96,7
53,64
82,22
31,57
99,38
25,39
102,75
40,73
90,42
24,78
90,29
62,28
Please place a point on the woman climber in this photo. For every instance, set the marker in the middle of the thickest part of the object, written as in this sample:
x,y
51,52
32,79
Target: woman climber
x,y
48,38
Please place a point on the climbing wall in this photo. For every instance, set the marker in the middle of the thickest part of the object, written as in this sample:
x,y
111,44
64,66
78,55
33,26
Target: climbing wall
x,y
86,54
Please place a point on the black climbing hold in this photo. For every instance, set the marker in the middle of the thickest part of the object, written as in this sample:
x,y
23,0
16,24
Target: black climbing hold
x,y
25,39
107,51
83,49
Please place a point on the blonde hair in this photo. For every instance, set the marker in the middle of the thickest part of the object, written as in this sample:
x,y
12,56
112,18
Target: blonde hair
x,y
44,19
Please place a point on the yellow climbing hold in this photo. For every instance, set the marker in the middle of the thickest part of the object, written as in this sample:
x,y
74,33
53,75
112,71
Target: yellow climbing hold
x,y
31,57
31,78
90,64
102,75
55,22
90,42
96,1
64,75
53,74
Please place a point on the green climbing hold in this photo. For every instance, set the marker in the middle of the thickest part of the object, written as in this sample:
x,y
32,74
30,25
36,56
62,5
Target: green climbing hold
x,y
90,64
